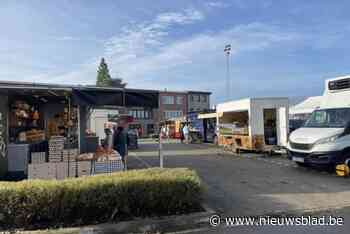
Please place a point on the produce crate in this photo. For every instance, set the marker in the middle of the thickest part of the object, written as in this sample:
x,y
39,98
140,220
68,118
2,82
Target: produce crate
x,y
66,170
38,157
108,166
42,171
84,168
100,167
116,165
56,146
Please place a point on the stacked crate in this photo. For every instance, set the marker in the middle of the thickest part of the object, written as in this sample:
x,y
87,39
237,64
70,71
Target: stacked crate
x,y
100,167
116,165
84,168
69,155
56,146
38,157
42,171
108,166
65,170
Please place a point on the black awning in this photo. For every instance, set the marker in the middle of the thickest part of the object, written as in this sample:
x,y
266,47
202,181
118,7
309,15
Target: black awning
x,y
139,98
96,97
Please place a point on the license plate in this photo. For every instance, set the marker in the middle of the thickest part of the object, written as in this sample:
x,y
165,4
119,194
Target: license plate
x,y
298,159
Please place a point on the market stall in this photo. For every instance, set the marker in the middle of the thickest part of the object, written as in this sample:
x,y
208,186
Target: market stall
x,y
44,131
256,124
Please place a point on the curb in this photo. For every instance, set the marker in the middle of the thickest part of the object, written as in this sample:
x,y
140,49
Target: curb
x,y
175,224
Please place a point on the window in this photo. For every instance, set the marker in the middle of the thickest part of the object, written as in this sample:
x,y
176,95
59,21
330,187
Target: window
x,y
168,100
329,118
172,114
192,98
179,100
204,98
140,114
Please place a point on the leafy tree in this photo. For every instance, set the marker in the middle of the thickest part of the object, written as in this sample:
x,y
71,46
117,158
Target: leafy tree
x,y
103,76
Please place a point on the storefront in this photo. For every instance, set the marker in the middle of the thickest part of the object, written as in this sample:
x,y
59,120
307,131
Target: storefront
x,y
41,122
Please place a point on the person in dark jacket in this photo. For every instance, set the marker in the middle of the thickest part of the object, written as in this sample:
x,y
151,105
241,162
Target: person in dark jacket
x,y
120,143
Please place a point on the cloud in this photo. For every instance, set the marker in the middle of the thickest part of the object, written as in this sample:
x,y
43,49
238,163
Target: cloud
x,y
217,4
186,17
202,47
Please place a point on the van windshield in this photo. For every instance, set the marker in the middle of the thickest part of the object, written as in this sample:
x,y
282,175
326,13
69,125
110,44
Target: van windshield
x,y
329,118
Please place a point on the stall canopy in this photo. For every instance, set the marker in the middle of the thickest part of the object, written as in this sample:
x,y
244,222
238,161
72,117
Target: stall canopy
x,y
141,98
84,95
98,97
115,97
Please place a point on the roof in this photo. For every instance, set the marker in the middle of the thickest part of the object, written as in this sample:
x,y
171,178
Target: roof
x,y
307,106
185,92
47,86
200,92
245,104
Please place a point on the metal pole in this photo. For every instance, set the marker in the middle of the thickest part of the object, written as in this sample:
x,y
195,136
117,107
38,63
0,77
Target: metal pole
x,y
227,51
228,83
161,159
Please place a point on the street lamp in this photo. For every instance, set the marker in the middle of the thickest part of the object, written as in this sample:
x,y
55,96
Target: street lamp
x,y
227,51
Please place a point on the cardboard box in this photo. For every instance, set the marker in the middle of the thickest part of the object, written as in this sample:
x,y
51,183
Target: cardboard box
x,y
84,168
38,157
42,171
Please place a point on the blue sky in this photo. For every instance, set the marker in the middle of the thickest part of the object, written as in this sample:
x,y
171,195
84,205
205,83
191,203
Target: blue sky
x,y
279,48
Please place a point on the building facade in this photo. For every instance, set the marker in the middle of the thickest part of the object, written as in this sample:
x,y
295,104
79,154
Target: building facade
x,y
143,120
172,105
198,101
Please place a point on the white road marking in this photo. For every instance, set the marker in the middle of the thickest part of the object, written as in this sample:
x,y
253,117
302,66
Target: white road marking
x,y
133,154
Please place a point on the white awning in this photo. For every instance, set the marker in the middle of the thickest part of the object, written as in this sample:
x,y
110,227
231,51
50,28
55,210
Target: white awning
x,y
207,116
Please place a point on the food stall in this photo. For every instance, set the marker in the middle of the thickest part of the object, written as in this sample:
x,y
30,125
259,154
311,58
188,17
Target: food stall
x,y
254,124
43,129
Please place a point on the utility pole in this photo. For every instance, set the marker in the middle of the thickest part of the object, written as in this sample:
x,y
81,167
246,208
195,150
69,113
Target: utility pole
x,y
227,51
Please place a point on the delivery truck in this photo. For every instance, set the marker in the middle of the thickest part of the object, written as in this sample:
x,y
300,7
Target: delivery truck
x,y
324,139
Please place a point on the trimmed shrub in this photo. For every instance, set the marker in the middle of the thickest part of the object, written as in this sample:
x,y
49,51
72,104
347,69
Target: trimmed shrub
x,y
51,203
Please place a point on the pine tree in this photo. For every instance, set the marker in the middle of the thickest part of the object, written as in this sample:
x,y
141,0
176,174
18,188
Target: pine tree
x,y
103,76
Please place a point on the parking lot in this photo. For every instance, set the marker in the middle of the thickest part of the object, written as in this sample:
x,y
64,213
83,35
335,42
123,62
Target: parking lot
x,y
250,184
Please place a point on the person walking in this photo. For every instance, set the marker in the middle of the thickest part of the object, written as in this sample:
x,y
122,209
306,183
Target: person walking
x,y
186,132
182,137
120,144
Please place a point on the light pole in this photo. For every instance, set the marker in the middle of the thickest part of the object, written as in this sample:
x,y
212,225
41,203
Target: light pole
x,y
227,51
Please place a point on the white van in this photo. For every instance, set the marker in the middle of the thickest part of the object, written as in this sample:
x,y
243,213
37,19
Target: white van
x,y
324,139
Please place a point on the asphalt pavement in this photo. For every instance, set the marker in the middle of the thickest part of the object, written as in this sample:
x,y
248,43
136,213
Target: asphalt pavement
x,y
251,185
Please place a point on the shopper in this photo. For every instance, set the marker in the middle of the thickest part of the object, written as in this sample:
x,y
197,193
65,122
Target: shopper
x,y
108,141
182,137
186,132
167,132
120,144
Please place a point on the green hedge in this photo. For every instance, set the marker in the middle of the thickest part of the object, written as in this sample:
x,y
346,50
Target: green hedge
x,y
50,203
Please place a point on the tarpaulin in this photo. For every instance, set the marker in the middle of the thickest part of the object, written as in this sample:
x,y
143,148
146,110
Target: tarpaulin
x,y
106,97
141,98
95,97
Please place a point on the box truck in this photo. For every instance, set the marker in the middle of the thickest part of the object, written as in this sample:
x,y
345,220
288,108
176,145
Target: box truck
x,y
324,139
